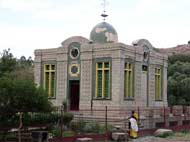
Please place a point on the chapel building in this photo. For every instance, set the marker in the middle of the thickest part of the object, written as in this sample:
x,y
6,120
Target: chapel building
x,y
100,71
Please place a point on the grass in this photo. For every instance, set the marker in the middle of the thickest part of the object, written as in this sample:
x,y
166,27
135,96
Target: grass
x,y
68,133
165,135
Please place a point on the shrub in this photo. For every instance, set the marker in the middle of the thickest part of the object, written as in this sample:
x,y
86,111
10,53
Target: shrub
x,y
77,126
29,119
102,129
185,131
91,127
68,133
64,103
67,118
164,135
56,131
40,118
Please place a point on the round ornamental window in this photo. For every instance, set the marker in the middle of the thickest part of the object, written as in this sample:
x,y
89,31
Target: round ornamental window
x,y
74,70
74,52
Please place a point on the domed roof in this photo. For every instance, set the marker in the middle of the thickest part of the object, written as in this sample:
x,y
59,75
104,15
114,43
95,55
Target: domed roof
x,y
103,33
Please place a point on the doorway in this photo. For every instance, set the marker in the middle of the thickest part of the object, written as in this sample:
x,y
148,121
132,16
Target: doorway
x,y
74,93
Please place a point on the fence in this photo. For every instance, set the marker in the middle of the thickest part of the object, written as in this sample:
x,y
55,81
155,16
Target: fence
x,y
102,121
176,117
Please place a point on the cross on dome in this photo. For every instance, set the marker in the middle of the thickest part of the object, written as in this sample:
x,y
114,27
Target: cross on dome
x,y
104,15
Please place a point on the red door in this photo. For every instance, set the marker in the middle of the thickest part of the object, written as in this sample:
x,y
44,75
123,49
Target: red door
x,y
74,95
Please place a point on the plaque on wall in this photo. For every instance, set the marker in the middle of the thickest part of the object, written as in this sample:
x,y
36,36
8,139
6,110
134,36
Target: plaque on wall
x,y
146,54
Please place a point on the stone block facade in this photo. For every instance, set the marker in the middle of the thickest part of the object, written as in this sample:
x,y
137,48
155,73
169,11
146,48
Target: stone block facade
x,y
117,54
91,74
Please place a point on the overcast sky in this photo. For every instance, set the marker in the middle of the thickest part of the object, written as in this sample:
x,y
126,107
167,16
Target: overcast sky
x,y
26,25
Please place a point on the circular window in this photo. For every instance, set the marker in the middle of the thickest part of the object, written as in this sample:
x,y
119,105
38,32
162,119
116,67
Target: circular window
x,y
74,70
74,52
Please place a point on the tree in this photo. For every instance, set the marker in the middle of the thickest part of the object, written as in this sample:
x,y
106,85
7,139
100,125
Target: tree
x,y
18,93
179,80
16,68
179,57
20,96
7,62
24,69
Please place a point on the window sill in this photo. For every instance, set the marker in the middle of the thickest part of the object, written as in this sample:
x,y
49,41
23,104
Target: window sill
x,y
158,100
51,98
129,99
101,99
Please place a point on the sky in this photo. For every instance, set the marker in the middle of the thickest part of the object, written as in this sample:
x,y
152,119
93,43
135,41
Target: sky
x,y
26,25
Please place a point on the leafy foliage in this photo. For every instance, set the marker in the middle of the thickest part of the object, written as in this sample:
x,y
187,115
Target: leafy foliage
x,y
22,96
67,118
16,68
18,93
7,62
179,57
30,119
179,80
90,127
24,69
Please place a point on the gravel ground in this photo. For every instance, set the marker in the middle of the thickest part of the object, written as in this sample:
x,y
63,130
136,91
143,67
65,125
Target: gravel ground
x,y
148,139
156,139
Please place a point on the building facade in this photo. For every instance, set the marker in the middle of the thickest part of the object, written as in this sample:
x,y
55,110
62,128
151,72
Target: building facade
x,y
102,72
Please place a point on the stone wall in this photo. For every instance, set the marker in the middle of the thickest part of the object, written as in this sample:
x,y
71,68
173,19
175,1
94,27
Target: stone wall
x,y
117,54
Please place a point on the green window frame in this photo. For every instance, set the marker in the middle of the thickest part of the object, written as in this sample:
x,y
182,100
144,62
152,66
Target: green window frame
x,y
158,84
128,81
50,79
102,80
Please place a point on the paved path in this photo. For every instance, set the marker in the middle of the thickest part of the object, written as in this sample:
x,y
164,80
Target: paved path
x,y
155,139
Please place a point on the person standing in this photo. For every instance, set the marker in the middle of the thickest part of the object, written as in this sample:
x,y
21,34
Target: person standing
x,y
133,125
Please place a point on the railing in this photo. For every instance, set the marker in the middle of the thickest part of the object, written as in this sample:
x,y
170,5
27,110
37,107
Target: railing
x,y
102,120
150,119
175,117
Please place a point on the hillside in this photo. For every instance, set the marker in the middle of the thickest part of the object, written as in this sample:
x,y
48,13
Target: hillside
x,y
180,49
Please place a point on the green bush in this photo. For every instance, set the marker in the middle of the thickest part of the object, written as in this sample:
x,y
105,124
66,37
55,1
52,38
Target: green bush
x,y
164,135
64,103
56,131
40,118
67,118
9,121
102,129
29,119
68,133
185,131
77,126
91,127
